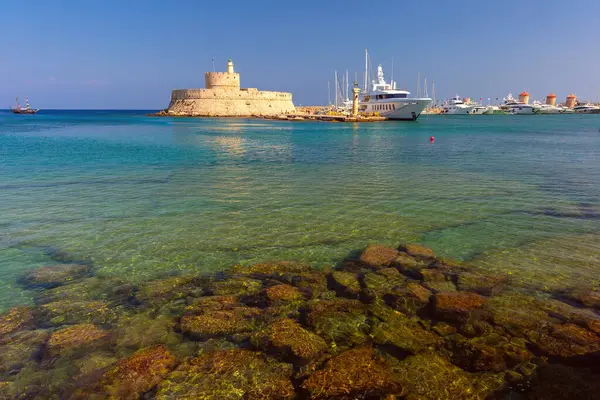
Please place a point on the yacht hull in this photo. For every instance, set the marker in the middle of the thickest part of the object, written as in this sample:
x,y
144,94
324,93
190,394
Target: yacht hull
x,y
588,111
406,110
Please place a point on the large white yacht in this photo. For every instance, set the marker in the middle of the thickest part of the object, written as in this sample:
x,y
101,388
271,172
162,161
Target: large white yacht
x,y
456,106
587,109
383,98
542,108
513,107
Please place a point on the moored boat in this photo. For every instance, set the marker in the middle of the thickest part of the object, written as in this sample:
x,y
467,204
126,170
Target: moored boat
x,y
388,101
586,109
27,109
455,106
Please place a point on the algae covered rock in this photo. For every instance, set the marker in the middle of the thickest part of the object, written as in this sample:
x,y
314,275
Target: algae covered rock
x,y
75,312
238,286
342,321
484,284
418,251
457,305
161,291
144,330
20,348
139,373
55,275
409,298
288,339
429,376
381,283
75,336
228,374
355,373
402,333
15,319
378,256
566,340
199,305
283,293
220,323
345,283
273,270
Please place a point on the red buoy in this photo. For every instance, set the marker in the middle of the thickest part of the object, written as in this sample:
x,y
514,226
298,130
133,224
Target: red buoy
x,y
432,139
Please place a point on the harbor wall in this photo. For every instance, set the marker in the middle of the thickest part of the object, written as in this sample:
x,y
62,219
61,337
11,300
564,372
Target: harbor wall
x,y
219,102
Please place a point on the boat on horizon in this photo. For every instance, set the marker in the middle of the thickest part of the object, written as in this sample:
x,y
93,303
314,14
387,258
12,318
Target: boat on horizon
x,y
27,109
386,100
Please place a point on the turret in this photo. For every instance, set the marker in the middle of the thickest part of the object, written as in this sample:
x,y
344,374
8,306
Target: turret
x,y
230,66
229,80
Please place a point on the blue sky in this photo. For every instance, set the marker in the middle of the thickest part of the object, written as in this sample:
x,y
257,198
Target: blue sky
x,y
131,53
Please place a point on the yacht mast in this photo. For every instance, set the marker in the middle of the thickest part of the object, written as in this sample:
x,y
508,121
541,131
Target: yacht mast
x,y
328,93
426,92
336,89
392,78
347,86
419,85
433,91
366,70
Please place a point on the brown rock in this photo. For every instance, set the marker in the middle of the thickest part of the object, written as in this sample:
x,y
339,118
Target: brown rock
x,y
409,298
15,319
484,284
54,275
590,299
283,293
220,323
346,283
356,373
288,338
139,373
75,336
419,251
457,305
566,340
378,256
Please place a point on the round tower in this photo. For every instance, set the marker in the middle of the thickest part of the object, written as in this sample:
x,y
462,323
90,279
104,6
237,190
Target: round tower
x,y
524,97
551,99
229,80
571,101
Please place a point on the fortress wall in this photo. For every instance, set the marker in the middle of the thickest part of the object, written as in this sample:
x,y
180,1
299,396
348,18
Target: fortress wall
x,y
230,107
219,94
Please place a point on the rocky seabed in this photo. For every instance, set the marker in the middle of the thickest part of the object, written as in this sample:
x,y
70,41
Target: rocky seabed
x,y
389,324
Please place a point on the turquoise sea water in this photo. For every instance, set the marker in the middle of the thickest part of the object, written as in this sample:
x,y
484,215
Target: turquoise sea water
x,y
140,197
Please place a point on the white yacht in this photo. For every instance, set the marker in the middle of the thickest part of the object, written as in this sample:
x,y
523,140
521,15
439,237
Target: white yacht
x,y
587,109
478,109
383,98
456,106
542,108
513,107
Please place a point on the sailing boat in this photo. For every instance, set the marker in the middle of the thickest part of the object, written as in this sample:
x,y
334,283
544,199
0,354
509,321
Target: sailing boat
x,y
23,110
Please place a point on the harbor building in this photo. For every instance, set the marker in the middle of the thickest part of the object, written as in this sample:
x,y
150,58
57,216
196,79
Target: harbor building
x,y
524,97
551,99
571,101
224,97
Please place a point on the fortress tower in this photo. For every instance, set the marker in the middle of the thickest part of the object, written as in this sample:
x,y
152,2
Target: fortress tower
x,y
223,80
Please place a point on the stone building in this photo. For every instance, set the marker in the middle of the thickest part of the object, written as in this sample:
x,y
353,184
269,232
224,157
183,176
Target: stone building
x,y
223,97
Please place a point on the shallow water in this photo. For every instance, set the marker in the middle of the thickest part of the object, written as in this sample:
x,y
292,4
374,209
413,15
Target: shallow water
x,y
139,197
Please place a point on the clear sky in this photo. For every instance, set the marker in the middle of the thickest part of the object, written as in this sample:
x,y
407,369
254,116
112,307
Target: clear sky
x,y
131,53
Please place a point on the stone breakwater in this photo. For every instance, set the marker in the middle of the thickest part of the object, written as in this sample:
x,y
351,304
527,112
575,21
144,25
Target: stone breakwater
x,y
224,103
391,323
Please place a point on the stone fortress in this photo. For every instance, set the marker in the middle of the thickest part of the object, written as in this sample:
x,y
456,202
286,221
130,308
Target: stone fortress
x,y
223,97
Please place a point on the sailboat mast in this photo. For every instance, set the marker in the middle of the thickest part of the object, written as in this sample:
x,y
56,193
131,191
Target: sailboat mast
x,y
433,92
328,93
336,90
419,85
347,86
392,78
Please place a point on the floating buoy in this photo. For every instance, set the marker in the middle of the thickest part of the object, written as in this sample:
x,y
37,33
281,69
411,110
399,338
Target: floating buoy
x,y
432,139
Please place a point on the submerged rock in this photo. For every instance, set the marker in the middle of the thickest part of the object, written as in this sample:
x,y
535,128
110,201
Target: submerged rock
x,y
20,348
561,382
239,286
418,251
161,291
273,270
15,319
566,340
457,305
429,376
402,333
133,376
342,322
484,284
355,373
55,275
409,298
74,337
288,339
68,312
283,293
346,284
378,256
381,283
228,374
220,323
